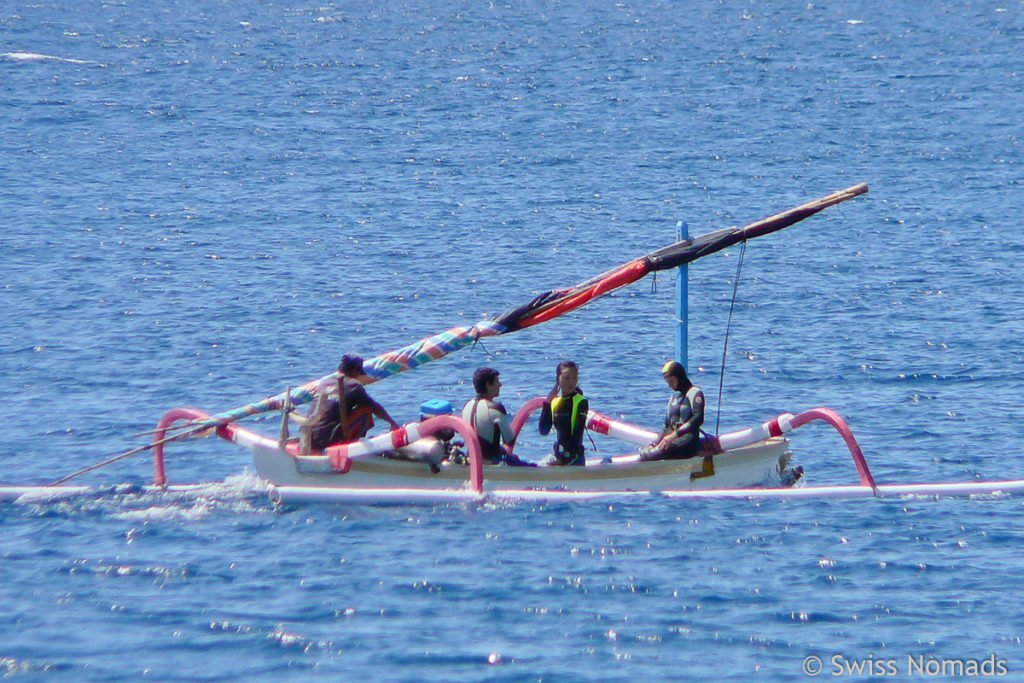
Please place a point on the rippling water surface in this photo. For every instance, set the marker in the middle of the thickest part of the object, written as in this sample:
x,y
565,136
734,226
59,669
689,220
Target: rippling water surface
x,y
206,202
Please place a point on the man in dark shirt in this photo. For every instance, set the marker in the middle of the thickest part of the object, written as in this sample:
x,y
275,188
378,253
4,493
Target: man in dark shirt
x,y
333,421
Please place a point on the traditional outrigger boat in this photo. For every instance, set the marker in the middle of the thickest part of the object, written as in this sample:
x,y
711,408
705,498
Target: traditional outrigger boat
x,y
754,457
752,462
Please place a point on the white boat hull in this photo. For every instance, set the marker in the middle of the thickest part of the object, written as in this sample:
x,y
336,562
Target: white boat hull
x,y
753,459
755,465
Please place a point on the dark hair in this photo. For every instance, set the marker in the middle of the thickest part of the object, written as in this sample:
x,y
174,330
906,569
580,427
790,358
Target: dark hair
x,y
565,364
674,368
350,364
482,377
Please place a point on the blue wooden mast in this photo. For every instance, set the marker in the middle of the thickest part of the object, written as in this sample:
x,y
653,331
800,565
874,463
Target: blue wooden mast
x,y
682,302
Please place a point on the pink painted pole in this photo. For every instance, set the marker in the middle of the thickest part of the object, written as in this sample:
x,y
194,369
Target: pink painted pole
x,y
523,414
834,419
159,438
463,429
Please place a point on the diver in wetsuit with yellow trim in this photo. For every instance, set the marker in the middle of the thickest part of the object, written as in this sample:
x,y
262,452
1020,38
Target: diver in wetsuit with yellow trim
x,y
680,437
567,413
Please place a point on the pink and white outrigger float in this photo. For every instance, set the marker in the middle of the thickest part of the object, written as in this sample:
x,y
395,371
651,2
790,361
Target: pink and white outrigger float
x,y
751,462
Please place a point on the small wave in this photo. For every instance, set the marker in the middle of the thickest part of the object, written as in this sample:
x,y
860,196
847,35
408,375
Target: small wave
x,y
9,666
198,510
242,493
234,493
282,635
36,57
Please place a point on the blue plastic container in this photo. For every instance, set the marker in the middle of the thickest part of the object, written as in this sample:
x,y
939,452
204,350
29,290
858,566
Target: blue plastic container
x,y
435,407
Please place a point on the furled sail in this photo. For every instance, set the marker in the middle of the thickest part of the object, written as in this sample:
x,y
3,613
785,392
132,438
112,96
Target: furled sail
x,y
550,304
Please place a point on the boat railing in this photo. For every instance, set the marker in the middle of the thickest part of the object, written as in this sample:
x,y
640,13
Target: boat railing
x,y
597,422
341,455
777,426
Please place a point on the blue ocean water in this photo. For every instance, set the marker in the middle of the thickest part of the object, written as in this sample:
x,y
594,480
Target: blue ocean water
x,y
205,202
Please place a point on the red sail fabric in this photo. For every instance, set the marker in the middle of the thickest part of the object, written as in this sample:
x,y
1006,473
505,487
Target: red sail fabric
x,y
620,277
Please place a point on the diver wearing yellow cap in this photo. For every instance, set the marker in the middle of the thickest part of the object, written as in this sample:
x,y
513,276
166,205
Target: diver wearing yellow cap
x,y
680,437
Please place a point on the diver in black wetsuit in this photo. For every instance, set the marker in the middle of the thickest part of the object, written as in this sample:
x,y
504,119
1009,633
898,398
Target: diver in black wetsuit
x,y
680,438
568,414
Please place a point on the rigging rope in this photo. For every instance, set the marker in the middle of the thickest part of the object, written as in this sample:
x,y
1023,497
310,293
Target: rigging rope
x,y
728,325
